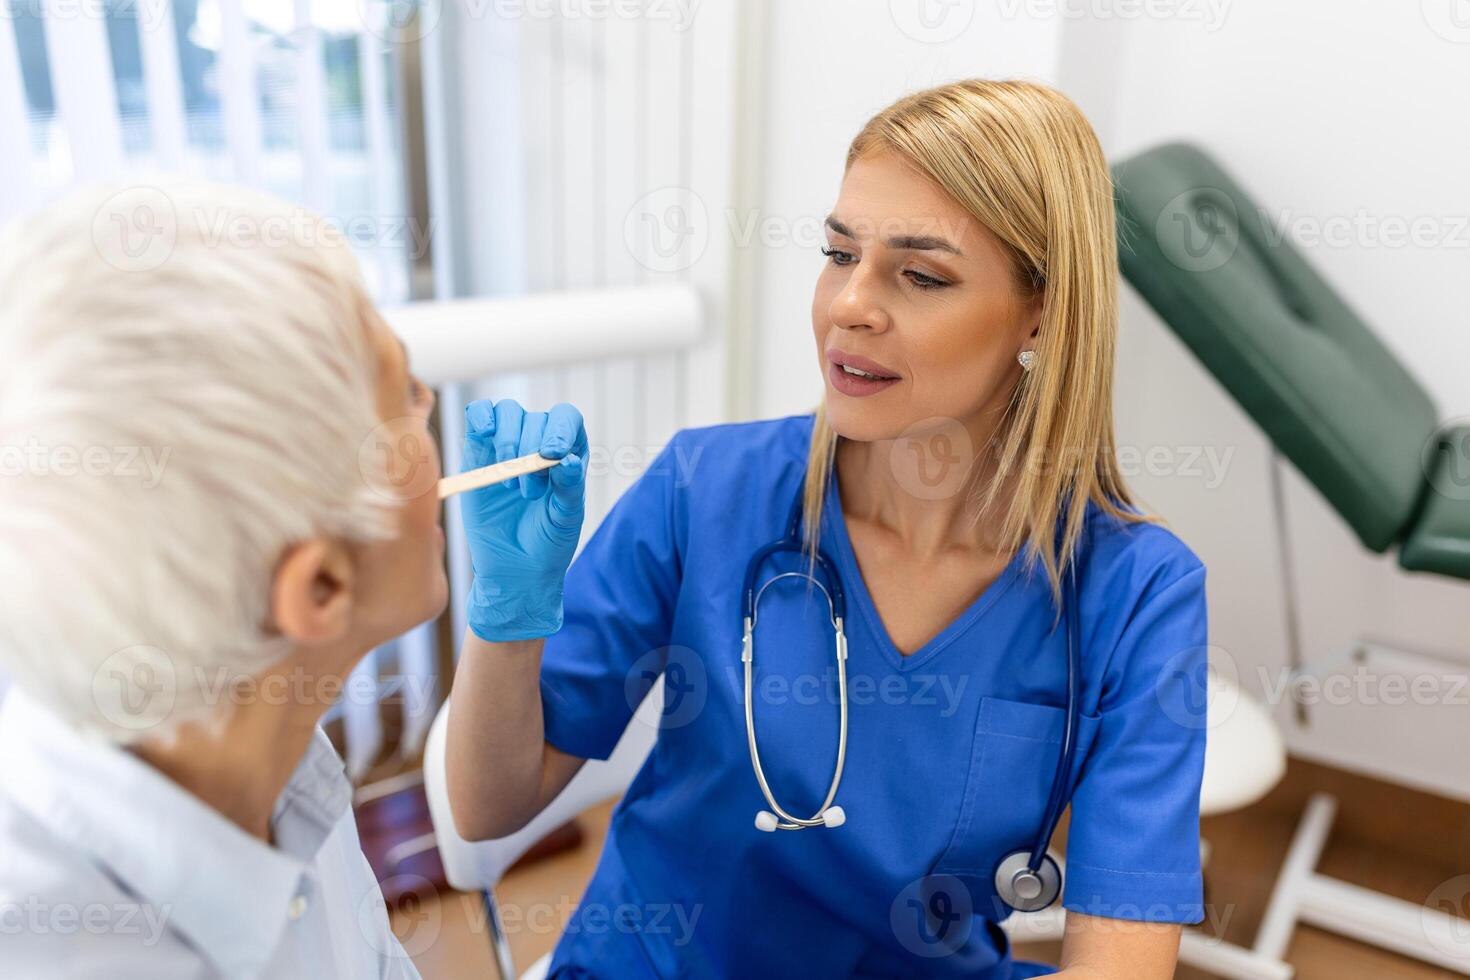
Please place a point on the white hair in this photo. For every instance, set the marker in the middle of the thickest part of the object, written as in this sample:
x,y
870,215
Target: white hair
x,y
186,377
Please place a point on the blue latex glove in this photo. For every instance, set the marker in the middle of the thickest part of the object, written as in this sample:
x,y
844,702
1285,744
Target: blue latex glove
x,y
522,533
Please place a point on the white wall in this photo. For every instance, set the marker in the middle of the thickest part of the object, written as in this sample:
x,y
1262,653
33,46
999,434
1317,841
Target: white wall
x,y
1325,109
1334,114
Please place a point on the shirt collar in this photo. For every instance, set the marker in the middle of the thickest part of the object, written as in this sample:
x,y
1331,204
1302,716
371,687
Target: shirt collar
x,y
225,891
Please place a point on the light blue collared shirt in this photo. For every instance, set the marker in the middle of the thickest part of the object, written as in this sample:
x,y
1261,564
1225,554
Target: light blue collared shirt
x,y
110,869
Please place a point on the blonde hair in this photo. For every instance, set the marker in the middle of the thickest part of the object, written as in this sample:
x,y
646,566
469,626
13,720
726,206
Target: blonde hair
x,y
1022,159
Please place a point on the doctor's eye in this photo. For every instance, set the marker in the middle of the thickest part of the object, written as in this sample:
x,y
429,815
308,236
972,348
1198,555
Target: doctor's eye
x,y
924,282
839,257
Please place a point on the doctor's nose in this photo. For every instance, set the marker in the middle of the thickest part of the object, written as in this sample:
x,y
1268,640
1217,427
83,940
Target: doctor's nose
x,y
857,305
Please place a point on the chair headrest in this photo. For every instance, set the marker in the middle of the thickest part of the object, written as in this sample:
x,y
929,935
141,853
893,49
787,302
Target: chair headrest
x,y
1308,370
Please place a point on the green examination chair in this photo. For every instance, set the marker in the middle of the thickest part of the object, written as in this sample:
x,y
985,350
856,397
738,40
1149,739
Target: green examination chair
x,y
1297,358
1359,428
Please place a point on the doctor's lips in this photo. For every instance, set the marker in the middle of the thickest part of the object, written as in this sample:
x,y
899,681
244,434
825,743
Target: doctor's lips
x,y
858,376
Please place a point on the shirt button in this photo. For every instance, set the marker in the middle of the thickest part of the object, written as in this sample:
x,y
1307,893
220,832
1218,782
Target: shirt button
x,y
297,908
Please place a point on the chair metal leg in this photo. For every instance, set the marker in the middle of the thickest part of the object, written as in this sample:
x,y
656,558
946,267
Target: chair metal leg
x,y
499,943
1288,575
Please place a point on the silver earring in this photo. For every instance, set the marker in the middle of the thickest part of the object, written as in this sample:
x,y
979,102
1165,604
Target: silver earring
x,y
1027,359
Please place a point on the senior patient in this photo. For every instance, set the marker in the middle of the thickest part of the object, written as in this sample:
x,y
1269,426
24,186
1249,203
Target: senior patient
x,y
205,522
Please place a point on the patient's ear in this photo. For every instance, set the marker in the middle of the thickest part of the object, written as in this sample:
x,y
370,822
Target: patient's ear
x,y
311,594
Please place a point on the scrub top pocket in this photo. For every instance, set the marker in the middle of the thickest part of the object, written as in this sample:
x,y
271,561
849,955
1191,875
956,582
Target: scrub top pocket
x,y
1012,762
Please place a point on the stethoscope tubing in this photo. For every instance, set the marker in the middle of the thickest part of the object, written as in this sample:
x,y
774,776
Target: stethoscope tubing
x,y
832,590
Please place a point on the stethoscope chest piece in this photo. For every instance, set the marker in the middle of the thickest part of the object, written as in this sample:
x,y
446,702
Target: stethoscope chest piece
x,y
1026,889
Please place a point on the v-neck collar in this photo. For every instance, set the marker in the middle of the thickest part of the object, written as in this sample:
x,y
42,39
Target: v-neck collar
x,y
858,595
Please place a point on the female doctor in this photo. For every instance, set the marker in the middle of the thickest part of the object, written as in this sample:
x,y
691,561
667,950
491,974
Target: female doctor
x,y
1012,630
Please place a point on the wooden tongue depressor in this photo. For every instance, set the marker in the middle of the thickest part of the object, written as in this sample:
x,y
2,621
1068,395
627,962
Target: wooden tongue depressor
x,y
495,473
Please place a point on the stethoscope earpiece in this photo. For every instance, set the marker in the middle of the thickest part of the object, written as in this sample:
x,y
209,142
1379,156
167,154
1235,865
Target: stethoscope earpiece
x,y
833,816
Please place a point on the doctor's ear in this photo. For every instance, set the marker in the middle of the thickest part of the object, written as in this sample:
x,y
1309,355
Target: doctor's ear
x,y
1032,318
311,593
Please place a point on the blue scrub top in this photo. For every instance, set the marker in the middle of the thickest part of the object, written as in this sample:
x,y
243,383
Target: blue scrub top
x,y
951,749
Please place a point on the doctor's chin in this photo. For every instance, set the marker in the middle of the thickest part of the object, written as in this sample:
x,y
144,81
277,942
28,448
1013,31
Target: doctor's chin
x,y
507,490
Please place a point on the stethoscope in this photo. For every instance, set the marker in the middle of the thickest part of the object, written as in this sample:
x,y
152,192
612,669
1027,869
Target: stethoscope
x,y
1026,879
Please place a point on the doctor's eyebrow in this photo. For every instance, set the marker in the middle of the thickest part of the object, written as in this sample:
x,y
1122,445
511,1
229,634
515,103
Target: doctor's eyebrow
x,y
918,243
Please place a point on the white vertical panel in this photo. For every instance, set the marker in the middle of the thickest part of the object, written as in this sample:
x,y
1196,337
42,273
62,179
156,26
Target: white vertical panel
x,y
442,143
159,48
311,111
621,425
711,114
662,206
381,169
238,92
582,243
16,189
542,133
86,95
540,120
